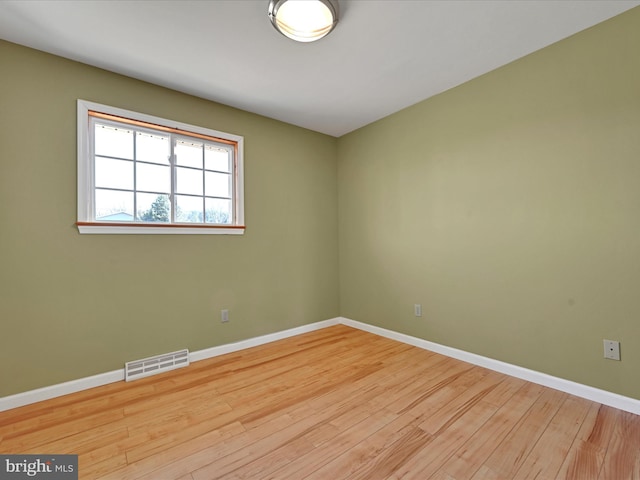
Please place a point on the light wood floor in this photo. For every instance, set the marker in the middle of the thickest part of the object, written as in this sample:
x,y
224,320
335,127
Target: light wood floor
x,y
333,404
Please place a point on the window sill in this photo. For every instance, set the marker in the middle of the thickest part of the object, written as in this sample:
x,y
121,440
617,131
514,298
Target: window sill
x,y
151,229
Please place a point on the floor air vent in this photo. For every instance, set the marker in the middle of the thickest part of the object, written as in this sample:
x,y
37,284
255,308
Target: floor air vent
x,y
158,364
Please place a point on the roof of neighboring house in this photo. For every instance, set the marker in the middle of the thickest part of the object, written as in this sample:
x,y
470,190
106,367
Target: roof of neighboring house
x,y
123,216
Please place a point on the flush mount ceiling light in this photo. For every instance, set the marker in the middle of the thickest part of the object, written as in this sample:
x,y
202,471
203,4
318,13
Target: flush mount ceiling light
x,y
304,20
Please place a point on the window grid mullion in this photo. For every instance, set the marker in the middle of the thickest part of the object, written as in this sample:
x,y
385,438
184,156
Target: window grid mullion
x,y
204,203
173,162
135,175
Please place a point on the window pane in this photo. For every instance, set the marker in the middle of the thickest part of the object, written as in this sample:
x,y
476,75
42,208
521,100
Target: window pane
x,y
218,211
153,208
113,205
188,154
189,209
189,181
113,141
112,173
153,178
217,159
217,184
152,148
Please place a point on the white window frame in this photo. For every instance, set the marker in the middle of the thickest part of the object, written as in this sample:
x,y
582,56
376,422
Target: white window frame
x,y
86,178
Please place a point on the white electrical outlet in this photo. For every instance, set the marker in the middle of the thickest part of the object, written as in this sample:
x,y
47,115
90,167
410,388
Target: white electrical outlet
x,y
417,310
224,316
611,349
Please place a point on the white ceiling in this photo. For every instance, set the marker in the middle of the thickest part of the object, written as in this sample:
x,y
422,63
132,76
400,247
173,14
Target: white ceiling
x,y
384,55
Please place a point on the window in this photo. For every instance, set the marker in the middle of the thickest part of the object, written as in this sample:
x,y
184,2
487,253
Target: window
x,y
143,174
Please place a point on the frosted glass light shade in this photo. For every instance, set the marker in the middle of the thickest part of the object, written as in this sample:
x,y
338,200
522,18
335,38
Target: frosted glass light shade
x,y
303,20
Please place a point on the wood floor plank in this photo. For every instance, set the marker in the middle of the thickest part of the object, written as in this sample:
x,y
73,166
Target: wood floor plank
x,y
60,430
104,467
336,403
178,459
622,459
306,465
462,401
264,446
452,425
291,451
547,456
505,461
586,456
468,459
386,447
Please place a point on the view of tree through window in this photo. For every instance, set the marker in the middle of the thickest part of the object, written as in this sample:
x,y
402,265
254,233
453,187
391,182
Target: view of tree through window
x,y
160,210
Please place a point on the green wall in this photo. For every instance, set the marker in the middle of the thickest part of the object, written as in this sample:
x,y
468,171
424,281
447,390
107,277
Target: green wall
x,y
75,305
509,207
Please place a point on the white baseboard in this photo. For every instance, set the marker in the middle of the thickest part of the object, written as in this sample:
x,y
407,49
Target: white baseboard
x,y
53,391
590,393
584,391
60,389
254,342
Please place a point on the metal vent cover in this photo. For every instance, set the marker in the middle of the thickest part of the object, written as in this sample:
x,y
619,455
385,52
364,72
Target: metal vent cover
x,y
157,364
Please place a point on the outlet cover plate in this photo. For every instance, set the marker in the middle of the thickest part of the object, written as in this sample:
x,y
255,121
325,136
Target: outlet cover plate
x,y
611,349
